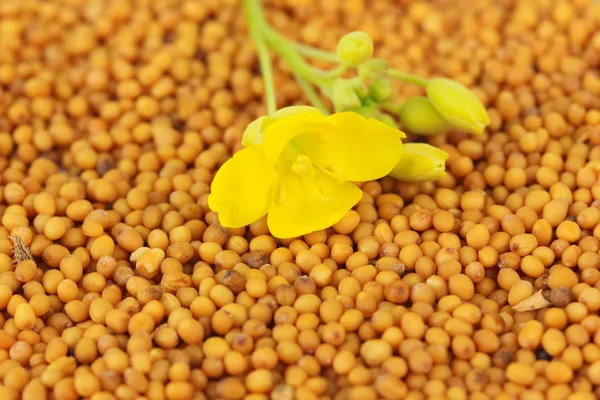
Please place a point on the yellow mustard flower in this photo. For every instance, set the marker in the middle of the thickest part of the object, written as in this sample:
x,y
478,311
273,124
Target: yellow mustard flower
x,y
297,166
420,162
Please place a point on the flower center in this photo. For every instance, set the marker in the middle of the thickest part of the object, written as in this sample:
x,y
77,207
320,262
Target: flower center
x,y
302,164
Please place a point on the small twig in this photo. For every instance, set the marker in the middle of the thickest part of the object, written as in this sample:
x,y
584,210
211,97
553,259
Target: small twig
x,y
20,250
534,302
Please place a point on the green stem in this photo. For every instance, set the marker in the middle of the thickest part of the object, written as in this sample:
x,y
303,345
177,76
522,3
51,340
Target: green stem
x,y
336,72
267,74
312,95
256,25
403,76
267,38
287,50
316,53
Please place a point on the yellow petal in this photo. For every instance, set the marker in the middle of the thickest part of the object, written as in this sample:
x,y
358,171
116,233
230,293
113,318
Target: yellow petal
x,y
241,189
295,110
253,133
278,133
420,162
310,202
356,149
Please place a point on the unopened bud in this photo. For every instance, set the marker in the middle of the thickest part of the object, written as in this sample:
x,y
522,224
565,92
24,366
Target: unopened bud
x,y
418,115
457,105
420,162
355,48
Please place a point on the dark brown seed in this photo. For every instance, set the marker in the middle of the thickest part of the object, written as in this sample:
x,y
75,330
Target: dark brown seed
x,y
305,285
255,259
541,282
232,279
560,296
104,164
503,357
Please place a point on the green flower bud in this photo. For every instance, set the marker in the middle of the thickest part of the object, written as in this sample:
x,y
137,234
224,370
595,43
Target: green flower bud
x,y
343,96
373,69
418,115
355,48
359,87
369,102
420,162
367,112
381,90
388,120
457,105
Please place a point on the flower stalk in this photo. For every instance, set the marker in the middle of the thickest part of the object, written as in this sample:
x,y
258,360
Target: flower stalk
x,y
266,38
256,24
453,105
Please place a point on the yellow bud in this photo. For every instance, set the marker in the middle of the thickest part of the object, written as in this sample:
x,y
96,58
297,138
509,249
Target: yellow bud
x,y
420,162
457,105
418,116
355,48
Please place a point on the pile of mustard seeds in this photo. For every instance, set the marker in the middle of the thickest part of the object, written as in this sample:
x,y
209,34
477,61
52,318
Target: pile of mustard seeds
x,y
118,282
